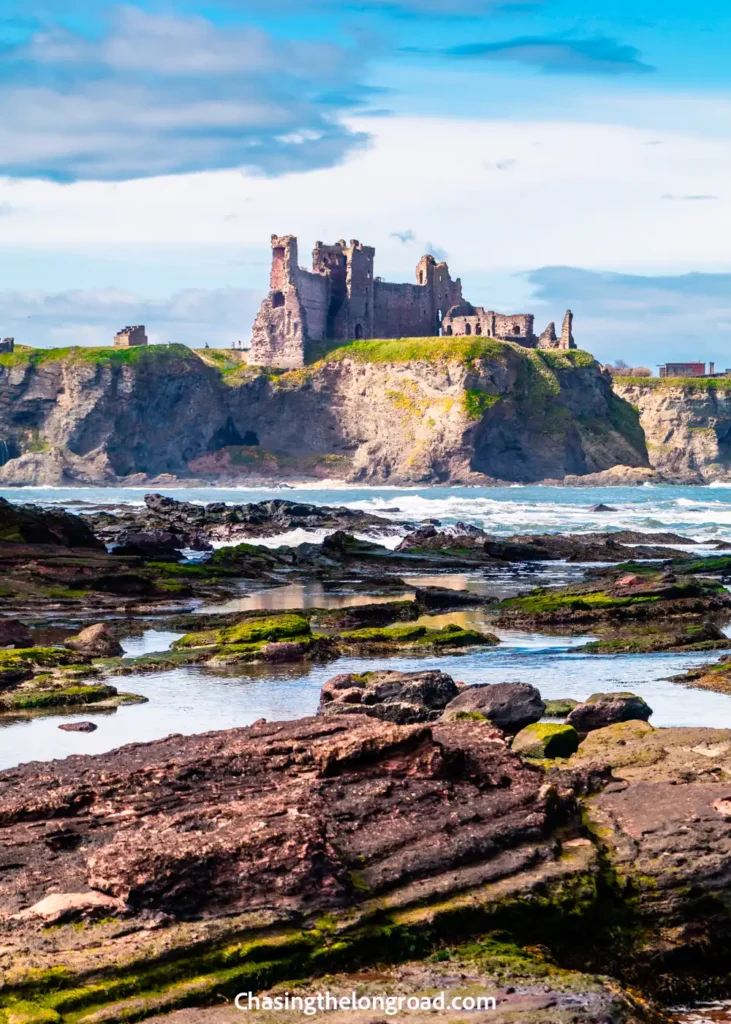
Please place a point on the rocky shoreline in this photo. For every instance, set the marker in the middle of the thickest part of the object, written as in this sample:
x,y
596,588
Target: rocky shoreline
x,y
416,834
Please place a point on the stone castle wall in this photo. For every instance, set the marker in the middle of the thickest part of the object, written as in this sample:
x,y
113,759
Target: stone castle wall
x,y
341,300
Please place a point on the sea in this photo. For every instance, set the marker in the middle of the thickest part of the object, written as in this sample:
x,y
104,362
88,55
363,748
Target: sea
x,y
190,700
194,699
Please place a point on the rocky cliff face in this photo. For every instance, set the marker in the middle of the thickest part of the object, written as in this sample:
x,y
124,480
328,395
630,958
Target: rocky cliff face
x,y
466,410
687,426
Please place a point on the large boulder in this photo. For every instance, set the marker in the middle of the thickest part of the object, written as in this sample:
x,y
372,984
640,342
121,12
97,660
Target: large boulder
x,y
29,524
401,697
509,706
602,709
160,545
14,633
546,739
96,642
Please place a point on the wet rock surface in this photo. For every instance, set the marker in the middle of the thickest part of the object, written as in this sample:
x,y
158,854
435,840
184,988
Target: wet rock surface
x,y
188,523
508,706
474,543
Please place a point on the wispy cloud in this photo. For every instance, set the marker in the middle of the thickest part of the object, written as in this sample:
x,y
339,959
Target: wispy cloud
x,y
500,165
598,55
404,236
687,198
436,251
162,94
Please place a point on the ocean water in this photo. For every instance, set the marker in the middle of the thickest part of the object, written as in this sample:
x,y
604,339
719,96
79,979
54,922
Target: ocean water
x,y
195,700
701,513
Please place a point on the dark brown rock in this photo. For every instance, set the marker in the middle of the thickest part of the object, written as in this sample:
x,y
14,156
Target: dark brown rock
x,y
78,727
14,634
401,697
29,524
509,706
160,545
602,709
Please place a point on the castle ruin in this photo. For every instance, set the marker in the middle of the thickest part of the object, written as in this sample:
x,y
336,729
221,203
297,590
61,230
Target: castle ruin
x,y
129,337
341,300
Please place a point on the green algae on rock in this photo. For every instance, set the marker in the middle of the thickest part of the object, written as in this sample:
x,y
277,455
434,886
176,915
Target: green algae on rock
x,y
546,740
629,598
560,707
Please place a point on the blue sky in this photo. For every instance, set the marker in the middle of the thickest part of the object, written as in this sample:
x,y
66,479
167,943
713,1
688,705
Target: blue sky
x,y
557,155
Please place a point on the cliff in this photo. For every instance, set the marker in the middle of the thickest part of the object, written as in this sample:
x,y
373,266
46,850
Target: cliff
x,y
686,423
457,410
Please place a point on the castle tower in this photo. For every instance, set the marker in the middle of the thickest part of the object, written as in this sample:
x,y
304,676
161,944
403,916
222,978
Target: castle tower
x,y
567,337
279,333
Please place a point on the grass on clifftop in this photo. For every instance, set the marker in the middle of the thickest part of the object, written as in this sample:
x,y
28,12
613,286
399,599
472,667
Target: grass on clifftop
x,y
461,349
26,356
656,383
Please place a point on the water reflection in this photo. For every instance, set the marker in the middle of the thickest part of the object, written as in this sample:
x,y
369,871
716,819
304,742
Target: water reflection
x,y
311,594
704,1013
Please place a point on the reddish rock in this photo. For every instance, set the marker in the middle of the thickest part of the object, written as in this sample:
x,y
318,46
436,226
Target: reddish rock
x,y
96,641
78,727
276,815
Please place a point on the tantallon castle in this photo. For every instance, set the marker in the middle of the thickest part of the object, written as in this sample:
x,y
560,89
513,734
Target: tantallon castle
x,y
341,300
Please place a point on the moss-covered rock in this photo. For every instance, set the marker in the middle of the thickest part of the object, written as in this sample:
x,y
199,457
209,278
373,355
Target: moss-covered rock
x,y
546,739
560,707
37,698
251,630
659,596
417,637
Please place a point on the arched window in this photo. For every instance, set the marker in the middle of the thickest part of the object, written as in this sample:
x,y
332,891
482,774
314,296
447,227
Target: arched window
x,y
468,329
478,329
358,331
277,299
421,277
448,331
516,329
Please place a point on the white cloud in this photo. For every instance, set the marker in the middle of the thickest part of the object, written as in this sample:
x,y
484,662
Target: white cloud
x,y
578,194
162,94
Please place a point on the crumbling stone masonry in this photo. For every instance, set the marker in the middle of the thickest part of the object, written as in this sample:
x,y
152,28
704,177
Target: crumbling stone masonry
x,y
130,336
341,300
518,327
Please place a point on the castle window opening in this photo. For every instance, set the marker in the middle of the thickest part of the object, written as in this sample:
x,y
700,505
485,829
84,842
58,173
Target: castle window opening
x,y
478,329
358,331
289,322
516,329
468,328
278,299
449,332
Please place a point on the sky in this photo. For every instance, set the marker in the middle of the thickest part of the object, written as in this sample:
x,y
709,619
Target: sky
x,y
557,154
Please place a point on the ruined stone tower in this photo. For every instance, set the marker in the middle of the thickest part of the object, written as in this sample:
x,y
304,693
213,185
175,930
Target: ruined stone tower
x,y
341,300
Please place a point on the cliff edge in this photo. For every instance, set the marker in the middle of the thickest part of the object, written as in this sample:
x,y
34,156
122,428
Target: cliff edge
x,y
424,410
686,423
